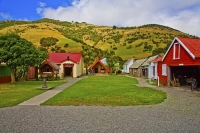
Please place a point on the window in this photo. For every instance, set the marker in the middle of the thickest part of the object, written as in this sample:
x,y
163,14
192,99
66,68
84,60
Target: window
x,y
153,70
164,69
176,52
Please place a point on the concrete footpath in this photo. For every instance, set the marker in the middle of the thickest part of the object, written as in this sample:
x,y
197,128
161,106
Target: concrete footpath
x,y
37,100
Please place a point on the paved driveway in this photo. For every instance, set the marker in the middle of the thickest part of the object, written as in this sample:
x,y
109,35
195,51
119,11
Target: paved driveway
x,y
179,113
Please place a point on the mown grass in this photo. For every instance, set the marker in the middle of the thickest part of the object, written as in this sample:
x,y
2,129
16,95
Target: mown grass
x,y
13,94
107,91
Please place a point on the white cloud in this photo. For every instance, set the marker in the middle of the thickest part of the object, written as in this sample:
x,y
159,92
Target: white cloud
x,y
5,16
183,15
41,4
39,10
41,7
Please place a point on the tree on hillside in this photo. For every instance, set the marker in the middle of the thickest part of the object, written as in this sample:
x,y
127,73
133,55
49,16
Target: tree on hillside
x,y
98,53
88,56
111,59
48,41
39,57
158,51
90,53
114,27
49,44
19,54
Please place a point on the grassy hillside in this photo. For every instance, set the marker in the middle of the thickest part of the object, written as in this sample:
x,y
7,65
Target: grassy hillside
x,y
126,41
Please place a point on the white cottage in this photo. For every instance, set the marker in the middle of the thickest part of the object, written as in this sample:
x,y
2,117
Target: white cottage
x,y
147,68
154,66
127,65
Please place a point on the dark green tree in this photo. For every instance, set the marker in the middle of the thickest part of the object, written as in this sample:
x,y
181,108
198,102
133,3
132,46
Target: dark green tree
x,y
19,54
114,27
48,41
88,56
111,59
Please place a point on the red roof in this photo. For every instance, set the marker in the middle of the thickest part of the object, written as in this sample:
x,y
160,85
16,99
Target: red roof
x,y
61,57
191,45
157,59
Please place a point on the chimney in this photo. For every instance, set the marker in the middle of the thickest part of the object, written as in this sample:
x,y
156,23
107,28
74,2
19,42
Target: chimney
x,y
134,59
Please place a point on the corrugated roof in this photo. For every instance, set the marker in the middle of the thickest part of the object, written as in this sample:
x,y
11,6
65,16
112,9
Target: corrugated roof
x,y
128,61
137,63
146,63
54,65
191,45
61,57
157,59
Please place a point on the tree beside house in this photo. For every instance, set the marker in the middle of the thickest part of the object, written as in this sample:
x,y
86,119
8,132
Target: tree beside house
x,y
19,54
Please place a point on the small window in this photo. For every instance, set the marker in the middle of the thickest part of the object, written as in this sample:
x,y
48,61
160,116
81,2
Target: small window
x,y
176,52
164,69
154,71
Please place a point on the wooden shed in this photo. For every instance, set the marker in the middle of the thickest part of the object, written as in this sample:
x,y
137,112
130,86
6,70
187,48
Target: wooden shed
x,y
49,68
98,67
136,69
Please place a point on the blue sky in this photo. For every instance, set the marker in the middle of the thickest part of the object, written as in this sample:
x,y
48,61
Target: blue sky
x,y
183,15
27,9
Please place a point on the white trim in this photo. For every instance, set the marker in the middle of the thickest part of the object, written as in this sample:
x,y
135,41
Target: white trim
x,y
186,49
164,70
174,51
181,45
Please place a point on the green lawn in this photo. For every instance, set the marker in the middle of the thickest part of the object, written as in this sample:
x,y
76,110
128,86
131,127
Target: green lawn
x,y
13,94
107,91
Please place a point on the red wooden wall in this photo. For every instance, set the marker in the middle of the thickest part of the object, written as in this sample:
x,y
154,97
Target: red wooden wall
x,y
31,73
162,79
5,79
185,58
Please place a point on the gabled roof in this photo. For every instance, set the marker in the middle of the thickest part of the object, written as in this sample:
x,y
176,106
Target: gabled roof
x,y
61,57
52,64
138,63
146,63
99,61
191,45
128,61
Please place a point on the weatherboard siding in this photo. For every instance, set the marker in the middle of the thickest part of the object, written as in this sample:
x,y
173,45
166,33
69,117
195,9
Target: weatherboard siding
x,y
185,58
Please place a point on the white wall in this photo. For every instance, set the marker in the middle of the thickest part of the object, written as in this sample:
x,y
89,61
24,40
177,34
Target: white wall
x,y
150,72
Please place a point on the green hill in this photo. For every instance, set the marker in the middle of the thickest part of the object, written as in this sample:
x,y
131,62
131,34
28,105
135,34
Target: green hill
x,y
126,41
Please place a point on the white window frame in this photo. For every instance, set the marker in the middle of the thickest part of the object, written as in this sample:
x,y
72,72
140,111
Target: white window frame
x,y
164,70
174,51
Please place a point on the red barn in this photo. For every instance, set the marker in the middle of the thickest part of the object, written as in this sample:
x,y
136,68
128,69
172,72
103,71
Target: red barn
x,y
181,61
